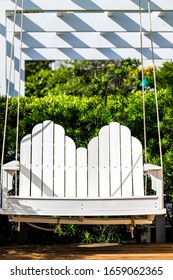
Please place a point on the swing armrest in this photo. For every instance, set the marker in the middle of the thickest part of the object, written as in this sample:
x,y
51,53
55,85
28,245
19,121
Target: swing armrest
x,y
11,166
8,171
156,174
151,167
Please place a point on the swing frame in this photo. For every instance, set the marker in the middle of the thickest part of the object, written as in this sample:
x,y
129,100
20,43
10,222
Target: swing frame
x,y
13,167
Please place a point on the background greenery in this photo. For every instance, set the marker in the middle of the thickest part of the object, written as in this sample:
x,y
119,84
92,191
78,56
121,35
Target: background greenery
x,y
82,96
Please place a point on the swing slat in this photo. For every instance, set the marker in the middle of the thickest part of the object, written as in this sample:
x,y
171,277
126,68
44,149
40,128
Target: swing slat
x,y
93,188
115,160
82,181
70,170
104,164
48,157
126,161
59,138
25,162
137,167
36,161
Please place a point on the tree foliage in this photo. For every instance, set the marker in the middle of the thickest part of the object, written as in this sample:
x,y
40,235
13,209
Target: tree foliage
x,y
83,78
165,76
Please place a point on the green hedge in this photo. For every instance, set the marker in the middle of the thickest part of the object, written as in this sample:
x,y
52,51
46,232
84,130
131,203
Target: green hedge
x,y
82,117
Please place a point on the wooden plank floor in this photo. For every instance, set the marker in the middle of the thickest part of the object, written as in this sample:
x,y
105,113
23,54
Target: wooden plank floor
x,y
88,252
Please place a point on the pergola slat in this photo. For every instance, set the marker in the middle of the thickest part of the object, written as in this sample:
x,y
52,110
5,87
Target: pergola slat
x,y
87,5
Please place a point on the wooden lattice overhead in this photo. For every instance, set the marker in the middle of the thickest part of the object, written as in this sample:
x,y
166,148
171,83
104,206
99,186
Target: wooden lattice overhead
x,y
75,29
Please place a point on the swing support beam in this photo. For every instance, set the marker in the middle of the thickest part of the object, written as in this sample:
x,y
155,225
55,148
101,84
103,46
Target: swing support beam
x,y
131,222
148,219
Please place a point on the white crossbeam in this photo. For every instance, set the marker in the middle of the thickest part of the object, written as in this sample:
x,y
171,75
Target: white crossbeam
x,y
92,40
91,22
2,53
90,29
94,53
87,5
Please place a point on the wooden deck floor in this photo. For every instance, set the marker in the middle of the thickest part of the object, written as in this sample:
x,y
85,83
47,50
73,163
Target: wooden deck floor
x,y
88,252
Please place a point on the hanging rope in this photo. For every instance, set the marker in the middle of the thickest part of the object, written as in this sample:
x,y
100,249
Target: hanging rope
x,y
8,89
143,93
143,88
155,84
45,229
19,90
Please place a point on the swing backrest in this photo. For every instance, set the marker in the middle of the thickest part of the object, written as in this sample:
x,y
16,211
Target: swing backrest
x,y
51,166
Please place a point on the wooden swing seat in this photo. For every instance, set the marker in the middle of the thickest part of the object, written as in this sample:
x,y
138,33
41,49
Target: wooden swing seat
x,y
106,179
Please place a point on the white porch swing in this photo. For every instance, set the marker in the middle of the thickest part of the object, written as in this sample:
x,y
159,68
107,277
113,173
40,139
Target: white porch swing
x,y
60,184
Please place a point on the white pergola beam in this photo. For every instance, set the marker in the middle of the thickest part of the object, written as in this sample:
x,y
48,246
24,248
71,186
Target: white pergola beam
x,y
90,22
95,53
87,5
3,83
78,29
92,40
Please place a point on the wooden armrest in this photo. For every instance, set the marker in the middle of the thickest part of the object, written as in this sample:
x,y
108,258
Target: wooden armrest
x,y
155,172
151,167
11,166
8,171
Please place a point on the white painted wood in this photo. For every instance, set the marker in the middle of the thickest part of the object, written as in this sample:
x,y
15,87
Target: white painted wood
x,y
85,207
10,178
94,54
104,174
126,161
59,139
115,161
19,76
91,22
150,166
93,177
8,171
11,166
82,180
94,5
25,166
48,151
70,167
92,40
157,184
3,73
37,158
156,174
76,202
137,166
10,76
113,42
4,178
